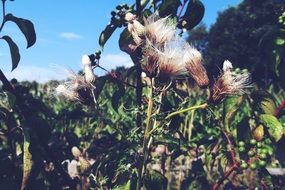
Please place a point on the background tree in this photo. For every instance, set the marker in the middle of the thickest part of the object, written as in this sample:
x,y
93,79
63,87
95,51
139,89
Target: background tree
x,y
236,36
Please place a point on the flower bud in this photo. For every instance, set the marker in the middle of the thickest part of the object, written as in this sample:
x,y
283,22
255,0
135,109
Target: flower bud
x,y
130,17
76,152
87,68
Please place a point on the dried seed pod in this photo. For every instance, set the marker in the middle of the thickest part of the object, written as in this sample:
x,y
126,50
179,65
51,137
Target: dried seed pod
x,y
193,64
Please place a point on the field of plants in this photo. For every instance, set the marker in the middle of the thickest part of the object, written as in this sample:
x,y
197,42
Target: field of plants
x,y
205,111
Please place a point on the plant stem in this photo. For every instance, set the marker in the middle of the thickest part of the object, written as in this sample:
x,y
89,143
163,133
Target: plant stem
x,y
233,167
226,175
146,136
202,106
3,13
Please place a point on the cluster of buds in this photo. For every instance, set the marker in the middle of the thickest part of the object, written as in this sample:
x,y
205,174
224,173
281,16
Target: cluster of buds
x,y
77,87
229,83
165,54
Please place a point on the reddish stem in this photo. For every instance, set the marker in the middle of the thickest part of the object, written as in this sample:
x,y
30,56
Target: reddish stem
x,y
279,109
233,167
226,175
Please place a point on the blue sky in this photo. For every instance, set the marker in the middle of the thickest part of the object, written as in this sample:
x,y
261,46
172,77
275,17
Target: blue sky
x,y
68,29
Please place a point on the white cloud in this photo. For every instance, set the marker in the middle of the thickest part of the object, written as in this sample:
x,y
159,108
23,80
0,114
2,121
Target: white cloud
x,y
111,61
70,36
34,73
43,74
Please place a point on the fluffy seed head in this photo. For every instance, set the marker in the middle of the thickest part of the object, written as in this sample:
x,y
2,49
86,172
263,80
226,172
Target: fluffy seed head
x,y
74,88
193,63
159,30
130,17
229,83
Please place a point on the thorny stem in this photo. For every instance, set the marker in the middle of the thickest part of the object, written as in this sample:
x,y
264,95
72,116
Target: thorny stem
x,y
202,106
279,109
146,136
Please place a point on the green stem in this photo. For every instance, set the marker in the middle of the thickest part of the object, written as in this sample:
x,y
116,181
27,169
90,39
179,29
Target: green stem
x,y
202,106
146,137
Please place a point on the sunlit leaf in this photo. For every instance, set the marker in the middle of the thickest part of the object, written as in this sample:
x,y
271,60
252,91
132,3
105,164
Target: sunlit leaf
x,y
27,160
231,105
106,34
14,50
273,125
26,27
264,102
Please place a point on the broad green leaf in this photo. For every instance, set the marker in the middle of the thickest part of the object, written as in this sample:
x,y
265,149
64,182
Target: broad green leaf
x,y
169,7
273,125
264,102
106,34
14,50
26,27
193,15
231,105
27,160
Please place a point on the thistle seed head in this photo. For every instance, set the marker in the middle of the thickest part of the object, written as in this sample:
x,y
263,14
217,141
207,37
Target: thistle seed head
x,y
159,30
229,83
193,63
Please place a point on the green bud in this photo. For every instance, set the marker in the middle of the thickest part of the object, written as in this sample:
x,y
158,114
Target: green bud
x,y
252,141
253,166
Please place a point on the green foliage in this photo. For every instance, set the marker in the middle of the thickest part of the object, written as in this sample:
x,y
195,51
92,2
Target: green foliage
x,y
138,132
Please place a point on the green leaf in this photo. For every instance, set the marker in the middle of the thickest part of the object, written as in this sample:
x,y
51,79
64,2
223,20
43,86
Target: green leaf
x,y
169,7
106,34
273,125
231,105
26,27
264,102
193,15
280,41
14,50
27,160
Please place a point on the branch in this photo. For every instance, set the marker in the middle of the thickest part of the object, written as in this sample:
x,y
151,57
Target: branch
x,y
234,166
